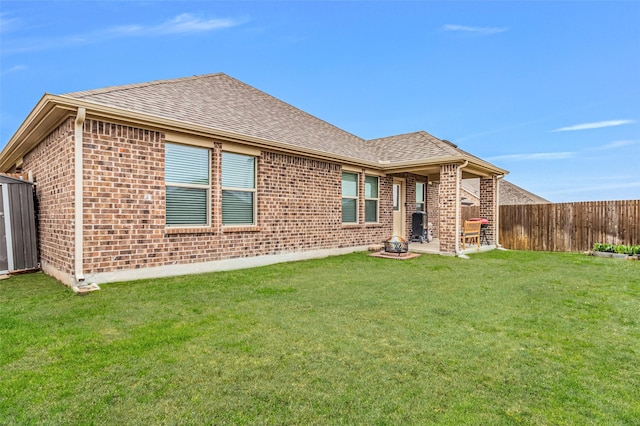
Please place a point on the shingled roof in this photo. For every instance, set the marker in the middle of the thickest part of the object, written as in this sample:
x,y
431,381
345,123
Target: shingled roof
x,y
509,193
216,105
217,101
220,102
411,145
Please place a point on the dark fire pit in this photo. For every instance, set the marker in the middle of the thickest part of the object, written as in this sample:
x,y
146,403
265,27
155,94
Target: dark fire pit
x,y
396,244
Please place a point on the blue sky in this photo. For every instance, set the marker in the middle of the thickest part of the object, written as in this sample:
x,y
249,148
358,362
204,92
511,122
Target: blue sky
x,y
549,90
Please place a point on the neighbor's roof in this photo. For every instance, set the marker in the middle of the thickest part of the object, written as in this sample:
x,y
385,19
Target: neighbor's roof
x,y
509,193
219,105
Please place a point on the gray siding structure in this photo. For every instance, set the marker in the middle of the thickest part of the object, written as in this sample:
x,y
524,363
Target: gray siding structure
x,y
18,240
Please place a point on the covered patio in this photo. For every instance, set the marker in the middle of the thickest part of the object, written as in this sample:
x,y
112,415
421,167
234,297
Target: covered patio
x,y
433,247
441,166
443,193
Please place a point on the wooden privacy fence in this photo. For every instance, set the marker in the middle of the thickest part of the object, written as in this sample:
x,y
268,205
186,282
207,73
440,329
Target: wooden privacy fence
x,y
569,226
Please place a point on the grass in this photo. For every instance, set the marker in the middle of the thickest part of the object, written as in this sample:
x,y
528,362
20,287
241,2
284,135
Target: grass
x,y
501,338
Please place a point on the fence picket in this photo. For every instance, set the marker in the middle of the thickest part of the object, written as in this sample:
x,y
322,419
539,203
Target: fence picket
x,y
567,226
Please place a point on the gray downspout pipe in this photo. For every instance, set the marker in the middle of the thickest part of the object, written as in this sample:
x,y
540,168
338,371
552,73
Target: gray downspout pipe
x,y
497,220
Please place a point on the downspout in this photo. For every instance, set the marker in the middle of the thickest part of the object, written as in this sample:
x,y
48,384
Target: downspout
x,y
78,195
458,209
497,221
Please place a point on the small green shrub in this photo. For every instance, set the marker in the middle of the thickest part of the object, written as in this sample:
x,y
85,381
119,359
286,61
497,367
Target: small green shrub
x,y
604,247
623,249
619,248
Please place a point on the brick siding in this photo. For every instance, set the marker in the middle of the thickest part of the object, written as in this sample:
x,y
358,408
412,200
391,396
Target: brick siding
x,y
123,197
489,206
433,212
51,164
449,194
298,205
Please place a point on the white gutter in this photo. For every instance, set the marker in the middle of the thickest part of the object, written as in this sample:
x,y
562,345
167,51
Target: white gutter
x,y
497,220
458,209
78,195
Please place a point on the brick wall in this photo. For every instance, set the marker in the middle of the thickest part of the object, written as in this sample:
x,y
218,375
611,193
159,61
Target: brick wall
x,y
410,206
51,164
410,180
449,194
489,205
433,200
299,205
123,197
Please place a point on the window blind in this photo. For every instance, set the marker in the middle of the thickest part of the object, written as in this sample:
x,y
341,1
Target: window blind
x,y
186,206
349,197
186,164
186,183
238,171
349,185
238,189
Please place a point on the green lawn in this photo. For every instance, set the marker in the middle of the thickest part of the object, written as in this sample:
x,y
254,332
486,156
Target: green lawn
x,y
501,338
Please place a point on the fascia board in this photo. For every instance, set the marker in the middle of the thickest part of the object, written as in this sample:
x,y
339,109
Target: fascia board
x,y
44,117
119,115
51,109
479,166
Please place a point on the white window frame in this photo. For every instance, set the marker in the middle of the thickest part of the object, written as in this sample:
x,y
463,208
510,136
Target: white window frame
x,y
424,197
376,199
350,197
253,191
207,188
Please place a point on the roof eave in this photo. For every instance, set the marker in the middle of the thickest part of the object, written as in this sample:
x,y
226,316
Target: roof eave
x,y
52,109
119,115
475,166
43,118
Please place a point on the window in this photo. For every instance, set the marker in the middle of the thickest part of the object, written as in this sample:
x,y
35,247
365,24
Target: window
x,y
420,197
238,189
396,197
186,174
371,199
349,198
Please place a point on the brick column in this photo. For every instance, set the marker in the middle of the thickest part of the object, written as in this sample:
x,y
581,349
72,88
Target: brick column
x,y
433,200
489,206
216,186
448,206
361,202
410,203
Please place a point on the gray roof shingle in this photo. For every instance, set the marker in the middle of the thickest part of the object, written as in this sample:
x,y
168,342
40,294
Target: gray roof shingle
x,y
509,193
220,102
411,146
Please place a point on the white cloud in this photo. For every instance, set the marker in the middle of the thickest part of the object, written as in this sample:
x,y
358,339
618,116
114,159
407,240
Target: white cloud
x,y
591,188
534,156
7,24
15,68
473,30
595,125
615,145
187,23
184,23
